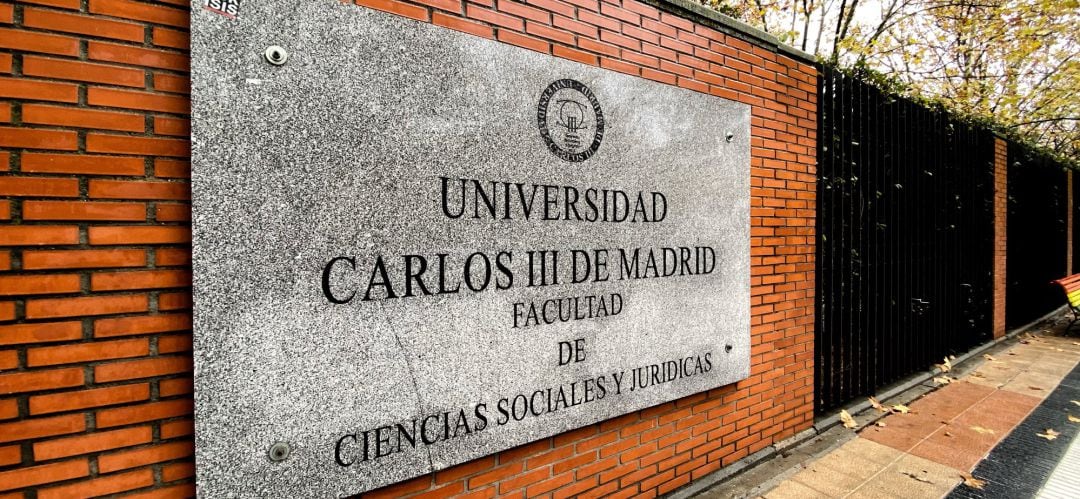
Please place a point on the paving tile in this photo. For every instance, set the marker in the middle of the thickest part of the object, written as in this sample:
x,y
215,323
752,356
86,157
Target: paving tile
x,y
1033,384
861,449
790,489
935,480
957,457
829,480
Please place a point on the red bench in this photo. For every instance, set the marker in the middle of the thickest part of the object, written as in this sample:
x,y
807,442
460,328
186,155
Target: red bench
x,y
1071,286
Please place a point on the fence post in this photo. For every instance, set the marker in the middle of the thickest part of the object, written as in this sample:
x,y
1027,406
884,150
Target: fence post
x,y
1001,215
1069,224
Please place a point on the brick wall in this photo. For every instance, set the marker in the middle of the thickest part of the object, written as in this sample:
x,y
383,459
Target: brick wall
x,y
94,260
1001,217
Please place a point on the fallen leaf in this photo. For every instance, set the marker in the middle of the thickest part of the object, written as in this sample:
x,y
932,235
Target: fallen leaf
x,y
989,357
972,482
952,357
901,408
877,405
881,424
849,422
1058,350
946,366
1034,388
948,434
1077,402
977,374
1073,419
1049,435
916,477
983,431
942,380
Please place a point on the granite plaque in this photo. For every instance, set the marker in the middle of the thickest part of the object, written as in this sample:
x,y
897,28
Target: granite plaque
x,y
414,247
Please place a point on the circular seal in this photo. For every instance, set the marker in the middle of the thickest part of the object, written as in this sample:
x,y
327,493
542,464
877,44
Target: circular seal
x,y
570,120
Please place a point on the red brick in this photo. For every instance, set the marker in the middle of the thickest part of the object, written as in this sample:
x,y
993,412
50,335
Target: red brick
x,y
142,325
88,305
139,11
172,213
175,386
9,360
574,55
83,210
94,442
172,168
174,301
177,471
87,352
7,310
38,284
523,41
11,454
172,83
47,473
143,368
51,20
41,427
32,381
108,463
174,343
395,7
76,259
145,279
125,144
171,38
496,18
138,56
82,163
38,42
28,138
83,118
63,4
180,428
39,187
164,125
463,25
172,256
133,99
550,33
84,399
5,63
16,334
22,88
143,412
139,235
9,408
106,485
22,235
131,189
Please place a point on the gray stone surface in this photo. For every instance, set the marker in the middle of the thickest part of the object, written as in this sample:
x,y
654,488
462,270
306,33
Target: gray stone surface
x,y
338,153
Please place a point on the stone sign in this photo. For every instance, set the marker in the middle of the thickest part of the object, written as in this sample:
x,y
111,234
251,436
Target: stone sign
x,y
414,247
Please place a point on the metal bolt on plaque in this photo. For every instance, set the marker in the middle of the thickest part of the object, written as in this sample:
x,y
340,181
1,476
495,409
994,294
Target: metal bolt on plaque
x,y
730,136
276,55
279,452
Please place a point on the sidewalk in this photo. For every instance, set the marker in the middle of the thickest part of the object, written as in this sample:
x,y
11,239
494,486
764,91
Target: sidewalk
x,y
988,424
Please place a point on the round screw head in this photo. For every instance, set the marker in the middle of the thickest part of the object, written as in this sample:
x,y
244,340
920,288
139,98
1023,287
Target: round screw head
x,y
279,452
276,55
730,136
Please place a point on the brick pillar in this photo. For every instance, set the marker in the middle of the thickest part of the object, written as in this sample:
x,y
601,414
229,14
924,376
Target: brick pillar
x,y
1001,175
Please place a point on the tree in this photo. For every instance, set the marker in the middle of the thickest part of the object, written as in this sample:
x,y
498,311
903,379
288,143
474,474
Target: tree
x,y
1013,62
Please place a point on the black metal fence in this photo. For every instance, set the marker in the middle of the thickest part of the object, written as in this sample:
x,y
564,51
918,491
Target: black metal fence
x,y
905,231
1038,207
